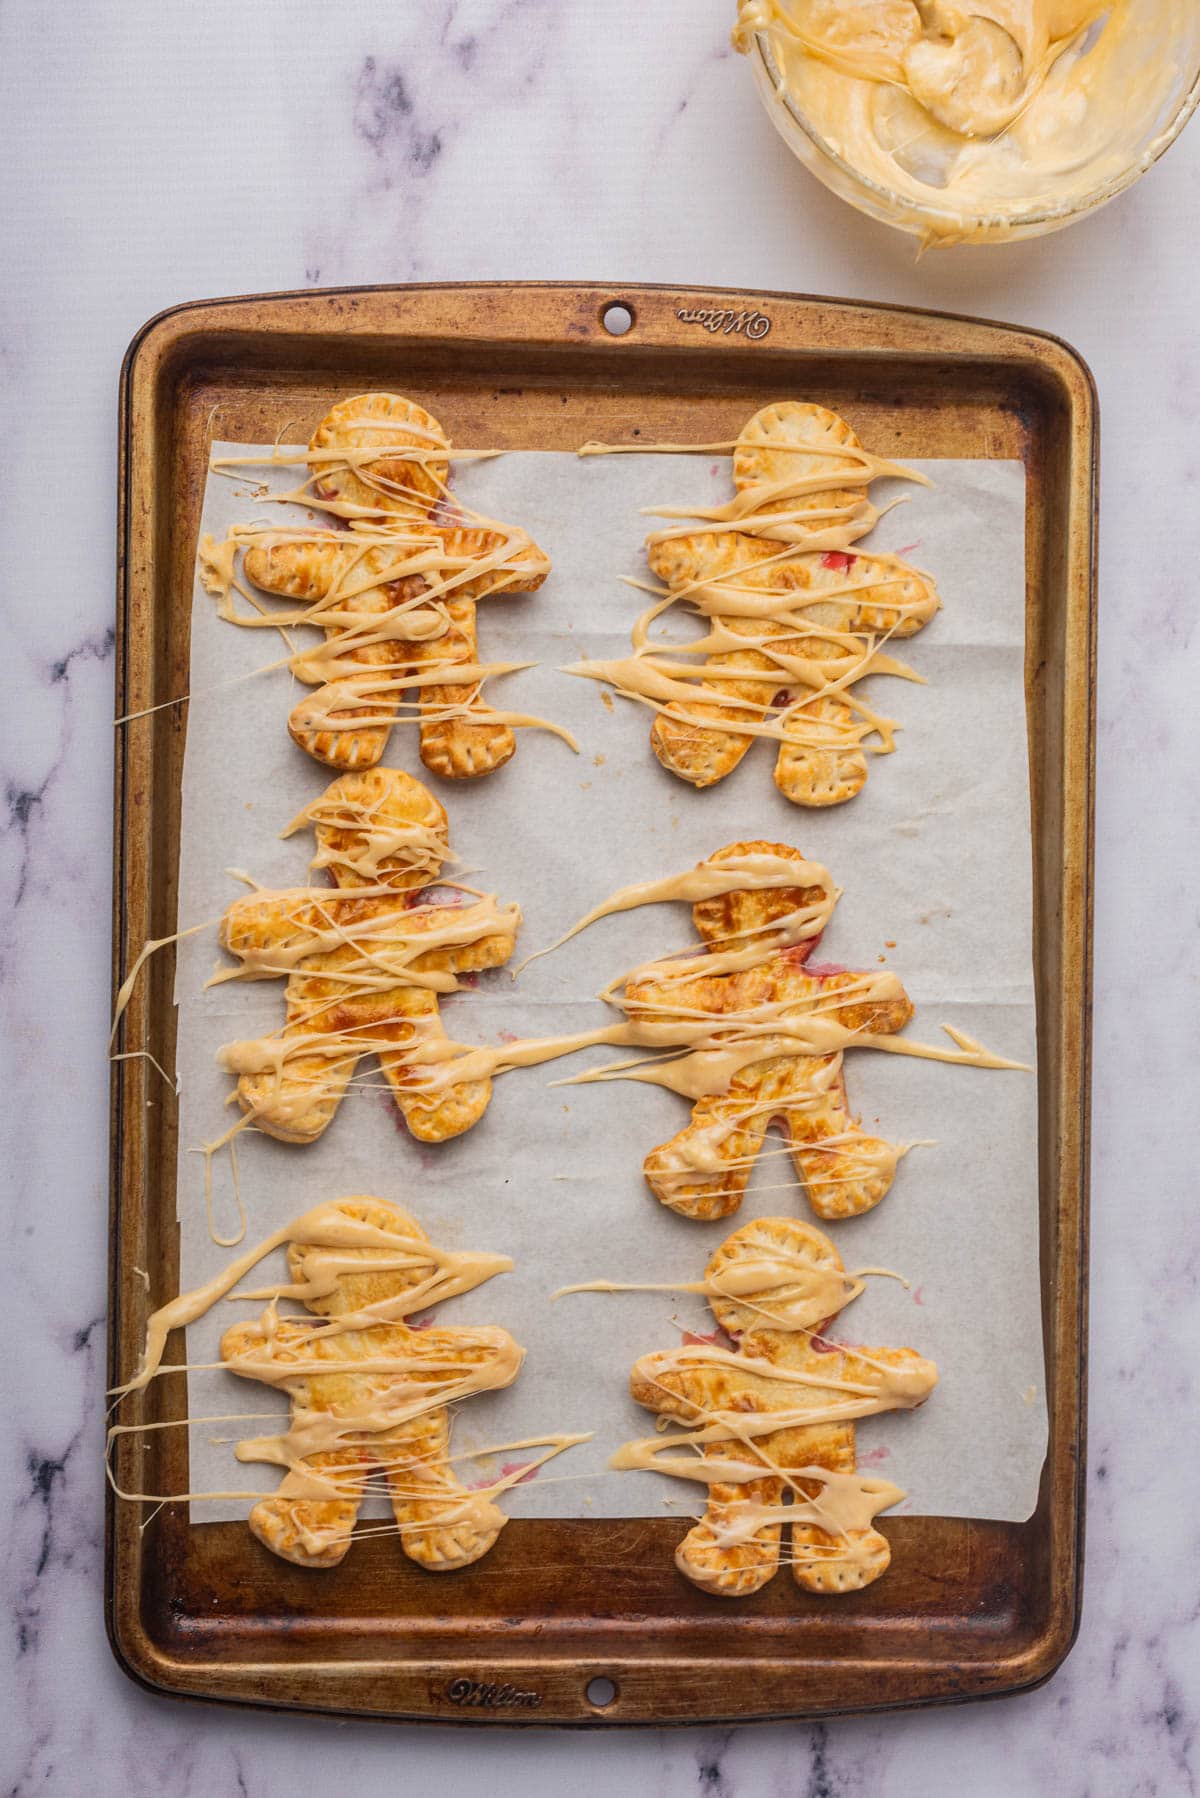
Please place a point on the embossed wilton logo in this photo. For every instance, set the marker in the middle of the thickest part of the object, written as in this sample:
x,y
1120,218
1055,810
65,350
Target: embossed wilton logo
x,y
489,1697
715,318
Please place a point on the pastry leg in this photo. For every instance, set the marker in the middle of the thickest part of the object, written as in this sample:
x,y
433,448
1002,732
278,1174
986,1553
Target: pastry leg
x,y
701,753
823,1561
336,726
728,1568
704,1170
340,724
312,1532
309,1531
844,1171
820,762
295,1101
442,1525
445,1112
732,1569
457,748
313,571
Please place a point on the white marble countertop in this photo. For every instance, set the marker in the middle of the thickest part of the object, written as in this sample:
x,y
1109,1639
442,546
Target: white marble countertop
x,y
156,153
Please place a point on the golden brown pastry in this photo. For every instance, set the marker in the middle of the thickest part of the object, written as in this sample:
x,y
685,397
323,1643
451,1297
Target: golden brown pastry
x,y
370,1394
365,962
768,1423
704,1170
795,615
851,597
395,593
358,461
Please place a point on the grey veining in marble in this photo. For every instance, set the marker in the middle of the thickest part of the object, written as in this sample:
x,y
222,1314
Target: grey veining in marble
x,y
155,153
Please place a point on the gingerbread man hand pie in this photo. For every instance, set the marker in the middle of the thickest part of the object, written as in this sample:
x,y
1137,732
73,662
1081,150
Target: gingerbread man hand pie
x,y
758,942
365,962
369,1394
395,593
794,615
768,1424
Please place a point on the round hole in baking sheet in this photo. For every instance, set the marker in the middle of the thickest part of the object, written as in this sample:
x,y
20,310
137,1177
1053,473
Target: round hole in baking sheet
x,y
617,318
600,1692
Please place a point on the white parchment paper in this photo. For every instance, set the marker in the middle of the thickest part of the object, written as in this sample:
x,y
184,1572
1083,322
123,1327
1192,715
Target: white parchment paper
x,y
934,859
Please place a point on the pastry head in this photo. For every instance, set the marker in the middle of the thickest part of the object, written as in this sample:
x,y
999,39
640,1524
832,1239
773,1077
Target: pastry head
x,y
777,1274
357,457
795,454
377,827
756,912
348,1275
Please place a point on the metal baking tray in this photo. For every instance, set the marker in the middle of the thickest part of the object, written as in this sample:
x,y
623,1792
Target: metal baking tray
x,y
969,1608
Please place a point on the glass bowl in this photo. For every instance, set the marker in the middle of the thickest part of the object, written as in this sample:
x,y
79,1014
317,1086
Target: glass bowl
x,y
936,223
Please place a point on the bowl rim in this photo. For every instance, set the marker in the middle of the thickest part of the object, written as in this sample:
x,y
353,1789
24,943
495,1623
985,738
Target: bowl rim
x,y
1065,211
